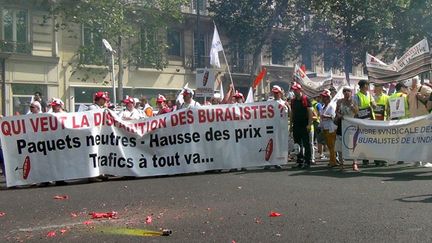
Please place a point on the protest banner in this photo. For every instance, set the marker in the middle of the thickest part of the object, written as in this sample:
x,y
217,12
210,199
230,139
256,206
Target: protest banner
x,y
312,88
399,140
416,60
51,147
205,79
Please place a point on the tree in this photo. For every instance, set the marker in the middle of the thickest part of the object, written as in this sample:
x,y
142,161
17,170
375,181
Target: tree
x,y
250,25
413,22
120,22
346,29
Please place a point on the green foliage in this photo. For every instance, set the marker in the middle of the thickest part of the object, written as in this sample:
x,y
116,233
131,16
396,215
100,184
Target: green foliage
x,y
413,22
114,19
249,24
347,29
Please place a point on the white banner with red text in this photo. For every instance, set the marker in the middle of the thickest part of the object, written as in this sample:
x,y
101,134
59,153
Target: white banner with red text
x,y
52,147
407,140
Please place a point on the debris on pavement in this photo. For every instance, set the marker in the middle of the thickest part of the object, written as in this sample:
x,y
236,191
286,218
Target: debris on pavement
x,y
61,197
274,214
108,215
149,219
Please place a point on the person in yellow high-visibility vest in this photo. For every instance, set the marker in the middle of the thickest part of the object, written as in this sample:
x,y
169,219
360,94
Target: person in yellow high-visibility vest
x,y
380,111
365,103
396,101
398,106
381,100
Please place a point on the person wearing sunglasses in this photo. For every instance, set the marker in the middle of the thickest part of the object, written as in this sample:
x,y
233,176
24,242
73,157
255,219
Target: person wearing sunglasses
x,y
35,107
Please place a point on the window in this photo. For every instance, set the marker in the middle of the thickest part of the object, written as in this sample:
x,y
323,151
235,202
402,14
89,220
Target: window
x,y
174,43
92,50
201,50
277,53
150,51
14,31
22,96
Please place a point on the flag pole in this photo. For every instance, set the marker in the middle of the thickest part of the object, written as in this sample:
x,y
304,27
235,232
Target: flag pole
x,y
226,61
229,72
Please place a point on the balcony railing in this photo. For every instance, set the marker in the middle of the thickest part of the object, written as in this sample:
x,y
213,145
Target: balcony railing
x,y
15,47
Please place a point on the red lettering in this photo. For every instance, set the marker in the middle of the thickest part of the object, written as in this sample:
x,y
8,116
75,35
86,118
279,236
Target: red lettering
x,y
201,116
270,111
43,124
97,119
74,123
62,121
84,122
190,117
263,112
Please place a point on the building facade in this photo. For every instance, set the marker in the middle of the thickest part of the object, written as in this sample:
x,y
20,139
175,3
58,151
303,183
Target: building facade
x,y
35,57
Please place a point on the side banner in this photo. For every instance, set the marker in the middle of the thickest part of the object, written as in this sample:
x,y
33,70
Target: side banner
x,y
416,60
51,147
400,140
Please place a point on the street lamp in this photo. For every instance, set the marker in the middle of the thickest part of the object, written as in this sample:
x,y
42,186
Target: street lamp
x,y
109,48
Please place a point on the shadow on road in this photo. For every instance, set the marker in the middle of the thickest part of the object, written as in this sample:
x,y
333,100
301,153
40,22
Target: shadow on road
x,y
390,173
416,199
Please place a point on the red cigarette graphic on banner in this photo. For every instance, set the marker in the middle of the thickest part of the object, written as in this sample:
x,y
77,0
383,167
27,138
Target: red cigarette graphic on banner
x,y
26,167
268,150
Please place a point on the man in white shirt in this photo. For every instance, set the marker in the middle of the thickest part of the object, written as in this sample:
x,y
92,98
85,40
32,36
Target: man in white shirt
x,y
130,113
100,101
188,100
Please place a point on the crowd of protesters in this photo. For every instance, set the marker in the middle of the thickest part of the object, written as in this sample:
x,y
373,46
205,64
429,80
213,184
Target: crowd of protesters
x,y
314,124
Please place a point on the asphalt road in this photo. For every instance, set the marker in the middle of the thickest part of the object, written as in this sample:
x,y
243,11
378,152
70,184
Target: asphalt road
x,y
388,204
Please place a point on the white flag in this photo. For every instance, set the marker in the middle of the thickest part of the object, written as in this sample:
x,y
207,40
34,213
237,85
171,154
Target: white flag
x,y
215,49
250,98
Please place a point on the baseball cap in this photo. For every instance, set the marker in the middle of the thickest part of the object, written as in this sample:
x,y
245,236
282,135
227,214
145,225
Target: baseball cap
x,y
56,101
238,95
129,100
188,91
276,89
160,98
296,86
101,95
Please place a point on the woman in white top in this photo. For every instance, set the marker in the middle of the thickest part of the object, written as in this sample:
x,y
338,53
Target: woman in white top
x,y
345,108
328,127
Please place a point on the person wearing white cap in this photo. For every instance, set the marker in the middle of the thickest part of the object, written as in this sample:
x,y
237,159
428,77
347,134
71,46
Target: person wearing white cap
x,y
327,125
35,107
130,113
345,107
301,123
57,106
100,100
277,94
216,99
238,97
162,105
188,100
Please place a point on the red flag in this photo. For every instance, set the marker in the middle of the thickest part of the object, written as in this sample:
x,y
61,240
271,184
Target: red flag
x,y
259,78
